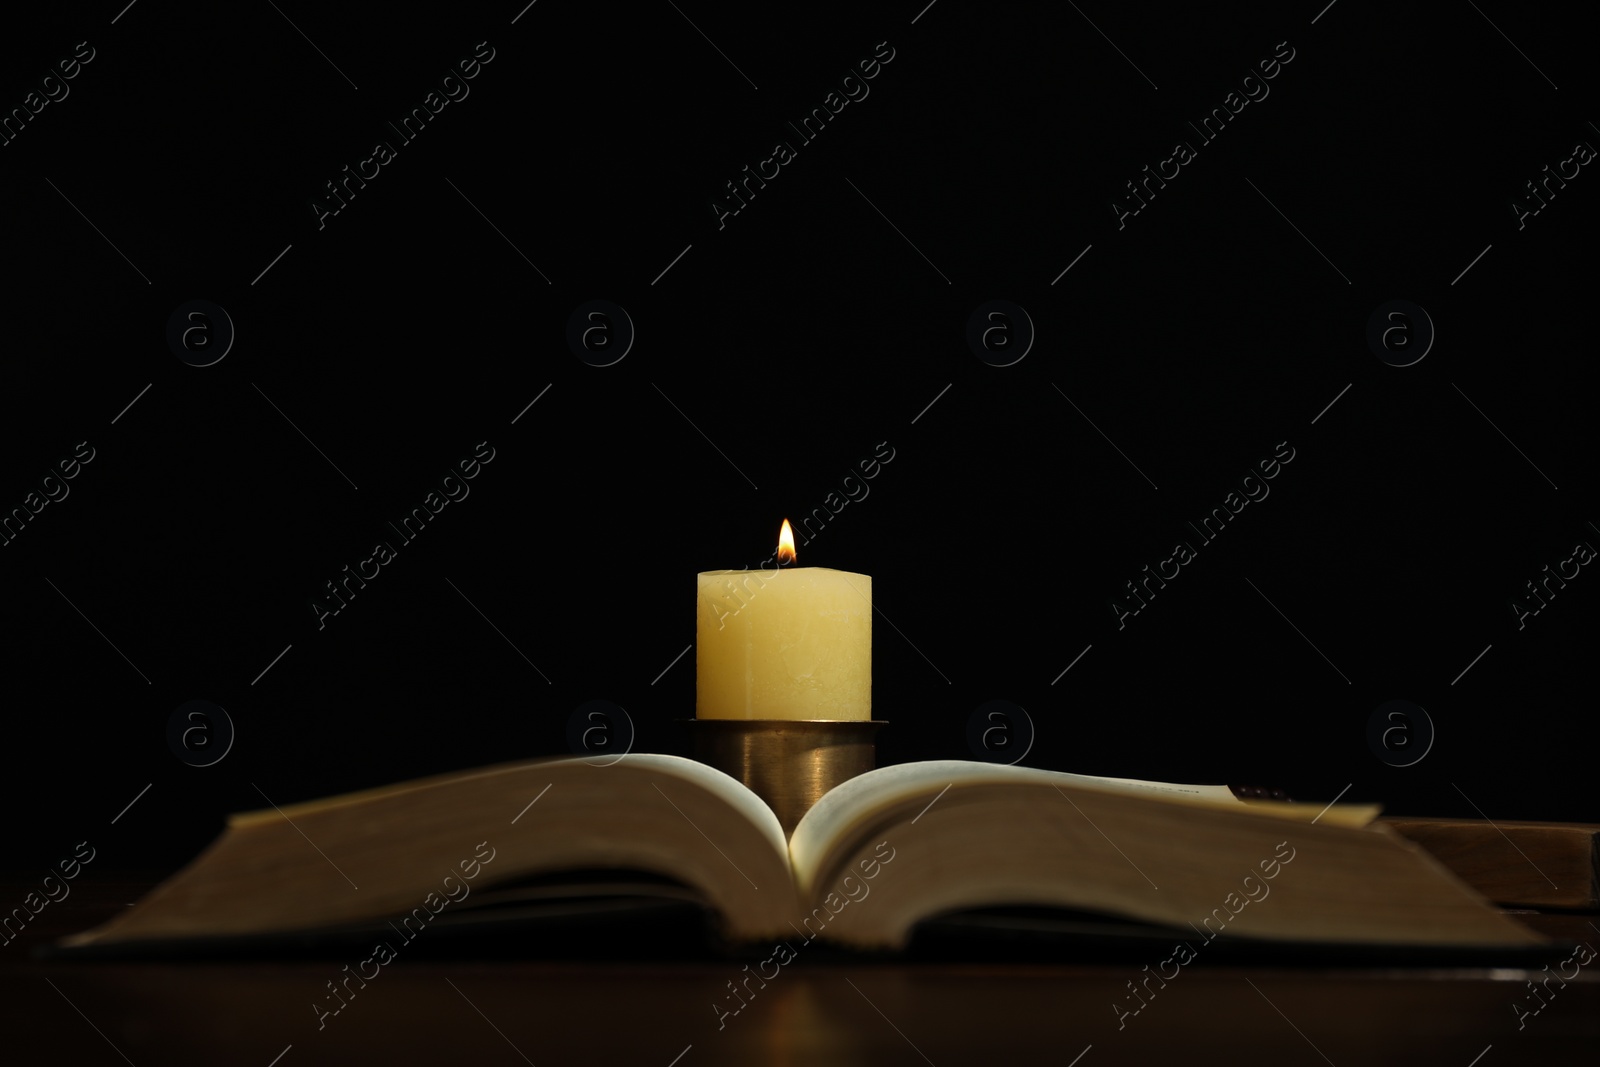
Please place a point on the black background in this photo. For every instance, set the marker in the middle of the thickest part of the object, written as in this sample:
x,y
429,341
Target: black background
x,y
796,338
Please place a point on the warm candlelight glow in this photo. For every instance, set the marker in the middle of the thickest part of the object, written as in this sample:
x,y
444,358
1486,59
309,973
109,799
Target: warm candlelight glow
x,y
785,544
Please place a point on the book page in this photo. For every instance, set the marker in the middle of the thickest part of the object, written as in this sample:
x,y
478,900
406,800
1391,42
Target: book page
x,y
736,793
738,796
663,815
847,805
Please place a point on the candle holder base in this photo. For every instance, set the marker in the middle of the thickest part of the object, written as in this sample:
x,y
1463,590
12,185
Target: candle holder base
x,y
788,763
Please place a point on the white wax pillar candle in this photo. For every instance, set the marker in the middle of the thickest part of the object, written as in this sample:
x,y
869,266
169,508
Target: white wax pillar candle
x,y
794,643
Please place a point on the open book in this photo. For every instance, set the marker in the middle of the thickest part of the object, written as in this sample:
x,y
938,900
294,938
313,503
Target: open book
x,y
874,857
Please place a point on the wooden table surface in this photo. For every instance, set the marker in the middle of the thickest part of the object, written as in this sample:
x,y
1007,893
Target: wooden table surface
x,y
656,1013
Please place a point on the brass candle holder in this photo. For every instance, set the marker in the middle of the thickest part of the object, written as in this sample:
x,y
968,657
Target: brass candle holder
x,y
789,763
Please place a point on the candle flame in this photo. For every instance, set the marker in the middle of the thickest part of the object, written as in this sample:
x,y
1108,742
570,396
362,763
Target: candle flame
x,y
785,544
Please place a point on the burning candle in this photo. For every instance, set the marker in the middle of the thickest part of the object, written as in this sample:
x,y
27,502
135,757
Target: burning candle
x,y
789,643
